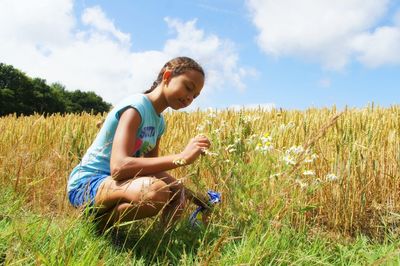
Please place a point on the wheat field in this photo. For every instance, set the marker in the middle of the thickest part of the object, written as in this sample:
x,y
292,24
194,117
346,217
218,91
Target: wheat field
x,y
347,180
336,172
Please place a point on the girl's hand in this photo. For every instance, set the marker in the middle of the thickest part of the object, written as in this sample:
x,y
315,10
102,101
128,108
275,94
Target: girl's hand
x,y
195,148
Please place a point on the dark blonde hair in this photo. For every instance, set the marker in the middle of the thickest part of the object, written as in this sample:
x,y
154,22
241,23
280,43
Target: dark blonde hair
x,y
177,66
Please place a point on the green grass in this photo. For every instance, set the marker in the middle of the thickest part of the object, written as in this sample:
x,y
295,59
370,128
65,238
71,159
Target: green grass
x,y
28,238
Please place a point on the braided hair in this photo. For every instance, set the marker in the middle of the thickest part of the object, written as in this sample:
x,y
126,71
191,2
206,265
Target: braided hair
x,y
177,66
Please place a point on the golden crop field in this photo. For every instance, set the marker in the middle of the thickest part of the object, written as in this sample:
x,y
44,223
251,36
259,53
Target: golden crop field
x,y
338,174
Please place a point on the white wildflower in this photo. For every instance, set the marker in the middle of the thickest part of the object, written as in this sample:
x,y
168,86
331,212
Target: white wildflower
x,y
267,148
264,148
266,139
331,177
309,173
265,145
200,127
289,160
311,159
295,150
212,115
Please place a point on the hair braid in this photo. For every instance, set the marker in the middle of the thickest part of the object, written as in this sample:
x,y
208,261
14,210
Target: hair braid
x,y
177,66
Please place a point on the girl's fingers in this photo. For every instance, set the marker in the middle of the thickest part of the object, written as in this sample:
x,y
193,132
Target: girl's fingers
x,y
201,137
203,140
203,145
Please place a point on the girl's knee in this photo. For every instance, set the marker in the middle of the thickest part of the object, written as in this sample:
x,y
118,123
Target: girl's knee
x,y
147,190
175,186
159,192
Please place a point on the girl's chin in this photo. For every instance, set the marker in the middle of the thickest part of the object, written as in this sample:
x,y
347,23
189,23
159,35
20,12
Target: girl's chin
x,y
176,107
180,105
177,104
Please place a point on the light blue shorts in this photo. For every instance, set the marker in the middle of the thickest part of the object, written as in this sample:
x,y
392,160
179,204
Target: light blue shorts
x,y
85,193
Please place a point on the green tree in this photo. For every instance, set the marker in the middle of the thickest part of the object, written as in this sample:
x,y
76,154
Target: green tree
x,y
79,101
16,93
46,101
21,94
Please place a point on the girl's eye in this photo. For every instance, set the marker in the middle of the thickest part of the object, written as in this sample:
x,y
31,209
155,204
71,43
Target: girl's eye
x,y
188,88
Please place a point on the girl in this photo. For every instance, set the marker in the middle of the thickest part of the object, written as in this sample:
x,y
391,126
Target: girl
x,y
121,175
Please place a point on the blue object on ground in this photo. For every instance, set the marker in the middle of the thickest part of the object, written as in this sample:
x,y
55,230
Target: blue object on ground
x,y
214,197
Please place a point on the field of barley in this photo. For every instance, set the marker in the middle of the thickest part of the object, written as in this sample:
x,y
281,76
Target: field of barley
x,y
320,186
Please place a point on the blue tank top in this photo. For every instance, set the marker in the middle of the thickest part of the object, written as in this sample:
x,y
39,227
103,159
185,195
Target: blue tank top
x,y
97,158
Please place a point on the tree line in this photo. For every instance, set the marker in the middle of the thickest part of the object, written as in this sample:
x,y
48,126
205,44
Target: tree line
x,y
23,95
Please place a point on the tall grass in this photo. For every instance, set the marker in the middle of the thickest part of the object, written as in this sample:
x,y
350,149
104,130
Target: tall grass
x,y
278,171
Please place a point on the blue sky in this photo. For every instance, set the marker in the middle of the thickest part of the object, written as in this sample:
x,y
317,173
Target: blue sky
x,y
293,54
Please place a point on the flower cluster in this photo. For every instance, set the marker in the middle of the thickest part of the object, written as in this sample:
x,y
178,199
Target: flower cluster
x,y
265,145
291,154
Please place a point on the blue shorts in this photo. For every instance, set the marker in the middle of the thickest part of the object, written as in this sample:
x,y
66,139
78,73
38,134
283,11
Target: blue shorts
x,y
85,193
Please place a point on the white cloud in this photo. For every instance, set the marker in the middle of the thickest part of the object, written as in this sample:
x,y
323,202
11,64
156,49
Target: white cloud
x,y
95,17
217,55
378,48
36,22
328,32
43,39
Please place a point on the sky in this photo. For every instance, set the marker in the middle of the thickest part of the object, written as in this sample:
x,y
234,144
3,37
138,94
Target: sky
x,y
290,54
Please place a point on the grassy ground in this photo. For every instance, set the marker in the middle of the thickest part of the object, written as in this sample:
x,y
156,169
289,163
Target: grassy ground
x,y
27,238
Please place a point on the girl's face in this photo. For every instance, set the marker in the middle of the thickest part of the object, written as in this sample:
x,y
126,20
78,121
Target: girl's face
x,y
181,90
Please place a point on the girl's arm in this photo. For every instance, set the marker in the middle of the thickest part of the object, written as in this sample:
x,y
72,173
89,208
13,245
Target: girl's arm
x,y
123,166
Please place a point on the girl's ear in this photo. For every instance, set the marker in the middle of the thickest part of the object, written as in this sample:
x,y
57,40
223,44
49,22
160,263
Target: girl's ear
x,y
167,75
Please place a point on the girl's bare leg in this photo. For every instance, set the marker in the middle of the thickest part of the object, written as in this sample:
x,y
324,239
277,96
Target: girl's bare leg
x,y
175,208
139,198
120,201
